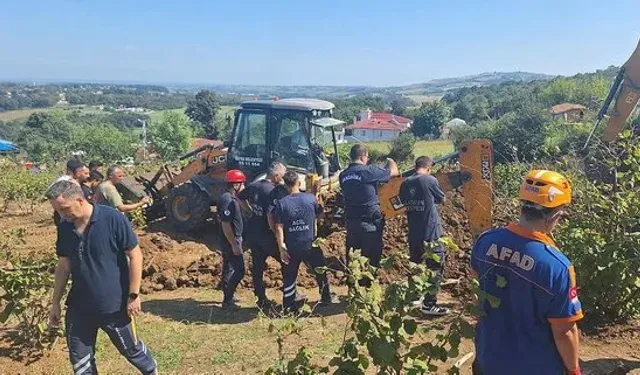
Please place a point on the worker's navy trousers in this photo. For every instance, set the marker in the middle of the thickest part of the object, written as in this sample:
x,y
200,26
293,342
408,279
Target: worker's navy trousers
x,y
260,251
312,258
416,255
366,236
232,272
82,330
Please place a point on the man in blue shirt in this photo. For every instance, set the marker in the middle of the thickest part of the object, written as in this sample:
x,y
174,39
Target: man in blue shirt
x,y
533,330
295,217
364,220
260,238
232,225
420,194
98,249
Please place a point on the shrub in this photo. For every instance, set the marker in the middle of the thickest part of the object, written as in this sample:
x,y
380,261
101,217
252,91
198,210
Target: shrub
x,y
601,237
21,186
402,148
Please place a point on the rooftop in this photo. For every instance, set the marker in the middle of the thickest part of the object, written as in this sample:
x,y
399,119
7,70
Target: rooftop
x,y
566,107
376,125
300,104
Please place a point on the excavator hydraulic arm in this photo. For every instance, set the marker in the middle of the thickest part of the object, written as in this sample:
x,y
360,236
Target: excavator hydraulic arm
x,y
475,178
626,92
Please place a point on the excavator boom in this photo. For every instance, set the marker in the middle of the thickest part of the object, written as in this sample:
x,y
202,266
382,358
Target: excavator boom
x,y
475,178
626,92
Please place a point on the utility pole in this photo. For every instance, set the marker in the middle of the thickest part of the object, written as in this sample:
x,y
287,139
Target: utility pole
x,y
144,138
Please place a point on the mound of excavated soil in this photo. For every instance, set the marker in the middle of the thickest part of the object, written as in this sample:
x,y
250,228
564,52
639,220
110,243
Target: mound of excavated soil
x,y
178,260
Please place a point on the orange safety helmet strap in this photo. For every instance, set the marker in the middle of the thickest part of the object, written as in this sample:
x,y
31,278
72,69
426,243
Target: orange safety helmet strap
x,y
546,189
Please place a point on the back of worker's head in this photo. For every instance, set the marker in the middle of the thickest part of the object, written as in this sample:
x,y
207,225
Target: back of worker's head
x,y
543,197
95,178
94,165
424,163
291,179
276,171
74,165
358,152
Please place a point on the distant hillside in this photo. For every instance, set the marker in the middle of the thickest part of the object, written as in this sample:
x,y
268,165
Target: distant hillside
x,y
433,87
439,86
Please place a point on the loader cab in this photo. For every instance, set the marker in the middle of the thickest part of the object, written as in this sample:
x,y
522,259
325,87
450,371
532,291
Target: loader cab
x,y
296,132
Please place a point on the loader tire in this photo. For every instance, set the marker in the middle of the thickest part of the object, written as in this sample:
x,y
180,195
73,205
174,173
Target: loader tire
x,y
188,208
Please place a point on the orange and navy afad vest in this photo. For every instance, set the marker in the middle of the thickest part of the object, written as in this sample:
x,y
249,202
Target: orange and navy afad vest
x,y
535,285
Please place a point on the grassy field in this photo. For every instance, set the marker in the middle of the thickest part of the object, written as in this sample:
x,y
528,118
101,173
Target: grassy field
x,y
220,115
429,148
23,114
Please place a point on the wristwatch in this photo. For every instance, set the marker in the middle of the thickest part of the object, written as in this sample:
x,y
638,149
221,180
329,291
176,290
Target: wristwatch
x,y
133,296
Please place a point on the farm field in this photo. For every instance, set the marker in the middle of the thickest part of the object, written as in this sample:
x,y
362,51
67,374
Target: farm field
x,y
189,333
23,114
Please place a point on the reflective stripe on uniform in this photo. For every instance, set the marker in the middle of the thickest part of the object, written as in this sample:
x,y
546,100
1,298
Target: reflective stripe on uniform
x,y
81,362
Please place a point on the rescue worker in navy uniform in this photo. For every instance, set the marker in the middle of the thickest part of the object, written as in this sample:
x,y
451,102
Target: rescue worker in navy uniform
x,y
364,219
231,222
97,247
260,239
420,194
295,218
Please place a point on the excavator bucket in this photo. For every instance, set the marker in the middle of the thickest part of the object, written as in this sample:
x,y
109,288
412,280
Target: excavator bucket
x,y
475,178
628,97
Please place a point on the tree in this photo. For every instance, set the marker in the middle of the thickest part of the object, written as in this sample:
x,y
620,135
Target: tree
x,y
399,105
203,109
402,147
172,136
430,118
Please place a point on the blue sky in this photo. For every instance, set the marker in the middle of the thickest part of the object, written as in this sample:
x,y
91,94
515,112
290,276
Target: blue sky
x,y
348,42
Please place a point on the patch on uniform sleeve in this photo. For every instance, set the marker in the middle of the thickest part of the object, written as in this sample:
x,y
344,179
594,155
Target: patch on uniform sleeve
x,y
227,212
573,287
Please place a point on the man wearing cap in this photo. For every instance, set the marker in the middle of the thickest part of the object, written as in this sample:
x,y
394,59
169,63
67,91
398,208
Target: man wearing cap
x,y
533,330
231,221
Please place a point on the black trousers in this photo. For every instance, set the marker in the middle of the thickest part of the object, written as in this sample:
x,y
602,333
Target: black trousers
x,y
312,257
82,331
416,253
365,235
232,271
260,251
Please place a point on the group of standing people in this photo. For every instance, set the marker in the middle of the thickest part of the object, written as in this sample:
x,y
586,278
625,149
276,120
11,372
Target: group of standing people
x,y
98,249
532,331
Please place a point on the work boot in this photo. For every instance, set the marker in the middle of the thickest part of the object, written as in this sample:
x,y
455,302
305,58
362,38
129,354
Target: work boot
x,y
230,305
329,299
434,310
265,304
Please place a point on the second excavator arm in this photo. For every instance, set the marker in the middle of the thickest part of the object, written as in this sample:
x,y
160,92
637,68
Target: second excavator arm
x,y
626,92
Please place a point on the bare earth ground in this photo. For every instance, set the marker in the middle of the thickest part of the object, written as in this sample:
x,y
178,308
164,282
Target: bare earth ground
x,y
189,333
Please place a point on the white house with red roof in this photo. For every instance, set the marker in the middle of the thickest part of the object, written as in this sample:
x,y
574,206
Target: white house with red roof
x,y
377,126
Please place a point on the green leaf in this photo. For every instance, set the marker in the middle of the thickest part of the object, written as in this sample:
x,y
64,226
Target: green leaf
x,y
395,323
433,256
501,281
410,326
493,301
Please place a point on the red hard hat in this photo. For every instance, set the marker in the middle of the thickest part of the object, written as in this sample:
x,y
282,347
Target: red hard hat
x,y
235,175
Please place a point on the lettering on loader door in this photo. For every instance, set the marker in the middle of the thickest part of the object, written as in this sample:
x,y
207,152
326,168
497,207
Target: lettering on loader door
x,y
486,168
219,159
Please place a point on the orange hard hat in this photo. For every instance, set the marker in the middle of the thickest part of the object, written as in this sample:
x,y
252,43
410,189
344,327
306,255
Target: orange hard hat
x,y
235,175
545,188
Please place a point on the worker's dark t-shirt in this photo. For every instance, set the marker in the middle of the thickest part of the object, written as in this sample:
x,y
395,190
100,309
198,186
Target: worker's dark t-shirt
x,y
86,191
359,188
257,194
229,211
99,264
279,192
420,194
297,214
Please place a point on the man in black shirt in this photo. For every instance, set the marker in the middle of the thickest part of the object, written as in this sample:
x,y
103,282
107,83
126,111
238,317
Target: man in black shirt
x,y
98,249
364,219
231,222
260,238
295,217
421,193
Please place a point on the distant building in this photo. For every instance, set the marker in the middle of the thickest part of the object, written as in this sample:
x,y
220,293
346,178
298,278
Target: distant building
x,y
450,125
569,112
371,126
